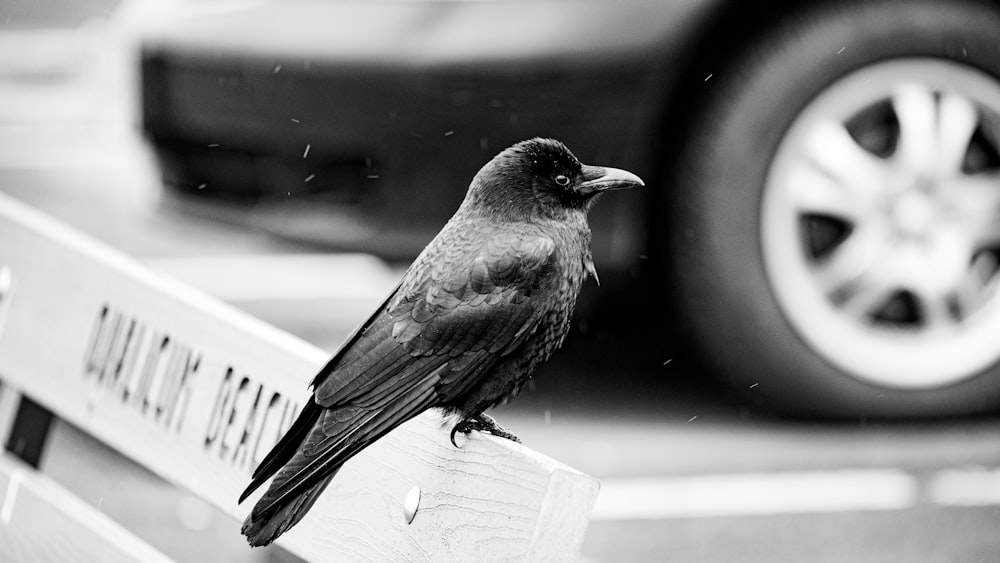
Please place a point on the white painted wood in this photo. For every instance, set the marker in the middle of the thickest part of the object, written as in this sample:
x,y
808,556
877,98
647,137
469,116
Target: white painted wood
x,y
9,401
198,392
41,521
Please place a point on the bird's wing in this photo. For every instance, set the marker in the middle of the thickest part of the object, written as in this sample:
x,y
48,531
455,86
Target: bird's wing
x,y
431,341
285,448
455,313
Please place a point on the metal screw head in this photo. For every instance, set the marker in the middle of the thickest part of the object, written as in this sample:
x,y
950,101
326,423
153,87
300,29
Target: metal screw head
x,y
411,504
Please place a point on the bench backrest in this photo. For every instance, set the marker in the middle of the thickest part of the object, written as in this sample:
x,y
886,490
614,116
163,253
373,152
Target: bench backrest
x,y
198,392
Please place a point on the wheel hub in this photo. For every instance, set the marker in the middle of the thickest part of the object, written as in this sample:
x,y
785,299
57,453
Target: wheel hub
x,y
913,216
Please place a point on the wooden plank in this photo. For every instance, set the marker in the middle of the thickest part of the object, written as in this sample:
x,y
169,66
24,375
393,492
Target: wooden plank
x,y
198,392
9,400
41,521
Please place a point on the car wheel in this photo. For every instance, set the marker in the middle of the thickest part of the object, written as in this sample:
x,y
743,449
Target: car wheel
x,y
836,229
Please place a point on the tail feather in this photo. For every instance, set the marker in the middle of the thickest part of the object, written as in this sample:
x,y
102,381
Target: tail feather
x,y
285,449
265,528
322,440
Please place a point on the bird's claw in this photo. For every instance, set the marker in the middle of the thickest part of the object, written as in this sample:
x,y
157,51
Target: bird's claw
x,y
482,423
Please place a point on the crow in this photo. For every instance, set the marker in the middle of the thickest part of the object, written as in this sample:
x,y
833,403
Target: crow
x,y
488,300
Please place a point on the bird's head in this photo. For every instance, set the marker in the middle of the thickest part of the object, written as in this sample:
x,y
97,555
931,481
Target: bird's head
x,y
541,178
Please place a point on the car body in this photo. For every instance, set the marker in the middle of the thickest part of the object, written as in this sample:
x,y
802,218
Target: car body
x,y
359,124
396,115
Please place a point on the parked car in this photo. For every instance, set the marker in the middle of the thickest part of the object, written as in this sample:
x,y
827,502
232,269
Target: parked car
x,y
822,217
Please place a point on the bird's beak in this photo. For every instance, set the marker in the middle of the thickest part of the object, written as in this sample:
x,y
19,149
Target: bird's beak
x,y
598,179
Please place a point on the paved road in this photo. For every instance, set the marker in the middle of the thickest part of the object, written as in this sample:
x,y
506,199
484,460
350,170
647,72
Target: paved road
x,y
687,474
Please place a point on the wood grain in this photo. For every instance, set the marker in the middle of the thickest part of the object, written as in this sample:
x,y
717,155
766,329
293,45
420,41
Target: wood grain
x,y
41,521
198,392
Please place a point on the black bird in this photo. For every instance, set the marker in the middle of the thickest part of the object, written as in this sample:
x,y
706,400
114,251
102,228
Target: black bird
x,y
485,302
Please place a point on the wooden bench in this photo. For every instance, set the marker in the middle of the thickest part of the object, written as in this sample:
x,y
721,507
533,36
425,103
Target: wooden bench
x,y
41,521
197,392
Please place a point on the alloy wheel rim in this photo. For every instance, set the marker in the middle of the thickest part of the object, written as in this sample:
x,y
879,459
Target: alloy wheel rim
x,y
881,223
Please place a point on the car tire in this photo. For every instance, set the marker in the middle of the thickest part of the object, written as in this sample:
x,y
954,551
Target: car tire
x,y
763,279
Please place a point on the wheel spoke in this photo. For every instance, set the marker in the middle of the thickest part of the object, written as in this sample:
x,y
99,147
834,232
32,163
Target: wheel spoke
x,y
985,232
976,201
935,312
851,260
973,288
908,267
867,295
915,110
814,192
935,272
833,152
957,122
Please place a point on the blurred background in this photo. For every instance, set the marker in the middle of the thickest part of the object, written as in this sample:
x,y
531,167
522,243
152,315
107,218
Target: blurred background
x,y
793,349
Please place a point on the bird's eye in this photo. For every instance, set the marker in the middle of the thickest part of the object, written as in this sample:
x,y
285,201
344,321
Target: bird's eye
x,y
561,180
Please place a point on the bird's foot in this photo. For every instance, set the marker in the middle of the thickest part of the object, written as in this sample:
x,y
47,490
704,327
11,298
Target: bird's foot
x,y
482,423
